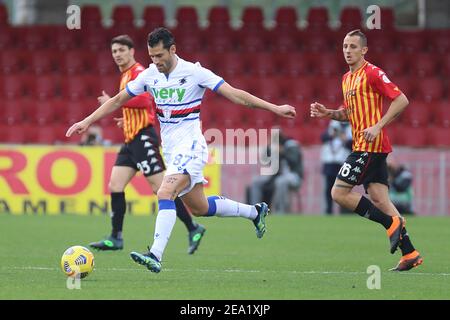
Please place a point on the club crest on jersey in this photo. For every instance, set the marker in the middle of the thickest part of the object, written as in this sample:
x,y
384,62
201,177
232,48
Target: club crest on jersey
x,y
167,113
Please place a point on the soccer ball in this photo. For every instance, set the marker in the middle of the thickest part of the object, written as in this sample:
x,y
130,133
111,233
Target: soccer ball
x,y
77,261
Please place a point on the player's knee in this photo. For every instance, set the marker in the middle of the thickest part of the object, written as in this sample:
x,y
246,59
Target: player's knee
x,y
338,195
165,194
115,186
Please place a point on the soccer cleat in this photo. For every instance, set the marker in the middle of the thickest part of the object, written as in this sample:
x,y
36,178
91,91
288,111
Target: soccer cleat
x,y
195,237
260,220
147,259
409,261
395,232
109,243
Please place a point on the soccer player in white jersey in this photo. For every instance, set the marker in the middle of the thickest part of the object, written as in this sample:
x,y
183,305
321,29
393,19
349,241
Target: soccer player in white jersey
x,y
178,87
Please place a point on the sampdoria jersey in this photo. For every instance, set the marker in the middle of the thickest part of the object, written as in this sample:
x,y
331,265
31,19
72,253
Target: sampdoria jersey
x,y
138,112
178,98
364,91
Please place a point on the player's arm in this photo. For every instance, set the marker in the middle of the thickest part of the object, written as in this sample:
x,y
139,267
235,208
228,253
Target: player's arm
x,y
246,99
320,111
106,108
395,109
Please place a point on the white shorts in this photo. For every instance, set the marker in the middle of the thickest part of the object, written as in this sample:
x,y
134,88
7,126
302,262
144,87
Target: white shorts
x,y
189,161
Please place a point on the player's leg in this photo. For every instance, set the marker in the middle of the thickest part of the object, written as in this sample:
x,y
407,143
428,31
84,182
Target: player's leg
x,y
379,194
195,230
120,177
365,168
223,207
170,187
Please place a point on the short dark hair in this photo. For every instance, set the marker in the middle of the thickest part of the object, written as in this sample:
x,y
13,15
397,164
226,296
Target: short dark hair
x,y
161,34
123,39
361,36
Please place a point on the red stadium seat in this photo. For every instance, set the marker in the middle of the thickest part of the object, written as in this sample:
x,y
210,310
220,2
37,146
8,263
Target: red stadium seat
x,y
243,82
18,134
75,111
252,19
286,18
270,89
329,89
4,128
112,133
229,64
417,114
318,19
387,19
293,64
8,38
12,111
445,70
219,17
74,62
394,64
153,17
411,41
4,22
284,42
102,63
45,86
65,39
123,16
12,61
441,113
36,37
45,112
422,64
407,85
252,41
326,64
262,64
430,89
189,43
381,41
411,136
317,41
299,89
15,86
95,39
438,137
91,16
439,41
350,19
109,84
187,19
76,88
42,62
220,40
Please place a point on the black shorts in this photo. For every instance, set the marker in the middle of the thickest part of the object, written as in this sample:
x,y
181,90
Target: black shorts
x,y
364,168
142,153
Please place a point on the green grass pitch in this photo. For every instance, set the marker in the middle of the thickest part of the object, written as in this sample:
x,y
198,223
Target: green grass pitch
x,y
300,257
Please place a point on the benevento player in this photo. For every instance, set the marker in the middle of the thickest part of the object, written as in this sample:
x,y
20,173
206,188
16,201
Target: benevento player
x,y
178,87
364,88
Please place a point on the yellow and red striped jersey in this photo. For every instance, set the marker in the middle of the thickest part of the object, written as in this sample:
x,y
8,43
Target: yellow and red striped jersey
x,y
139,112
364,90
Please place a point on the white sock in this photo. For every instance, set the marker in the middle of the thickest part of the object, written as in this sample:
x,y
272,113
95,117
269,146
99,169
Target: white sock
x,y
163,228
229,208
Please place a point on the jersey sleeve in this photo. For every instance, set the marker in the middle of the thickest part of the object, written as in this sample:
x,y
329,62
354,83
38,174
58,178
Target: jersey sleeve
x,y
207,79
137,86
381,83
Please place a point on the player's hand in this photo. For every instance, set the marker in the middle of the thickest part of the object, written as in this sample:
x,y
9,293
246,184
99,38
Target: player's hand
x,y
119,122
318,110
371,133
286,111
78,127
103,98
